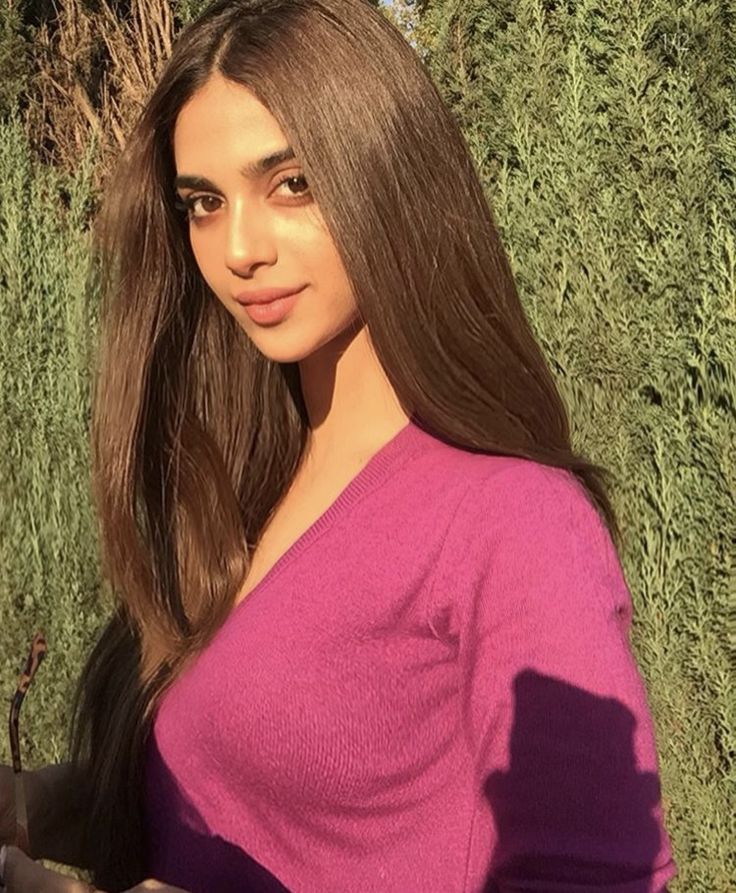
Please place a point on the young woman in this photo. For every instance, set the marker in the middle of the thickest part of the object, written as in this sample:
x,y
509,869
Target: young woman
x,y
371,630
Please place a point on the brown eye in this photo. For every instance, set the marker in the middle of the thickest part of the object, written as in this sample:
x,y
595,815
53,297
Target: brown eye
x,y
189,204
295,179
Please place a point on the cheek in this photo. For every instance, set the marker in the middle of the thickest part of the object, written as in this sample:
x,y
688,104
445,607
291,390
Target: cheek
x,y
200,254
328,267
341,288
206,263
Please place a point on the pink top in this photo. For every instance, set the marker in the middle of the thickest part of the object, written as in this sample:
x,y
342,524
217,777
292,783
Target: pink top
x,y
432,691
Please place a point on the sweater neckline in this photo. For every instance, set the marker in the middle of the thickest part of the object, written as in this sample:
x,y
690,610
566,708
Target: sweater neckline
x,y
387,459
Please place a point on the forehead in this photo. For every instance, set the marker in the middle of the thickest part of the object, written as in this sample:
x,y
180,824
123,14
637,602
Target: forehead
x,y
224,114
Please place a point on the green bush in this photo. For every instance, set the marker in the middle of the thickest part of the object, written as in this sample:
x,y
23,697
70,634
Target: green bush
x,y
15,63
49,571
604,131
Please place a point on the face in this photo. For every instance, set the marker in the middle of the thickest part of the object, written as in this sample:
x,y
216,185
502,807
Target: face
x,y
260,231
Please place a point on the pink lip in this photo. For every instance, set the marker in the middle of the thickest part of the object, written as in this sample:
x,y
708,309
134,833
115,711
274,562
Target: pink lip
x,y
266,296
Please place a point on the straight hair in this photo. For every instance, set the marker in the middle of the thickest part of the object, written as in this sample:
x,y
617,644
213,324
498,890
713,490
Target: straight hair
x,y
195,434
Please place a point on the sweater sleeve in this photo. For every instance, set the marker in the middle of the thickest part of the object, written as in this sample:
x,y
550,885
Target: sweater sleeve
x,y
555,709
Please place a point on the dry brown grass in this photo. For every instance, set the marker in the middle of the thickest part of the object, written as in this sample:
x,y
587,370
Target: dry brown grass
x,y
94,72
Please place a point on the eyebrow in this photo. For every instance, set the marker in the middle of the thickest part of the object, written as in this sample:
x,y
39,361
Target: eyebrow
x,y
251,171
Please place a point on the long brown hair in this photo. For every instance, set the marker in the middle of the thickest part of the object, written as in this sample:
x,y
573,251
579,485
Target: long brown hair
x,y
195,434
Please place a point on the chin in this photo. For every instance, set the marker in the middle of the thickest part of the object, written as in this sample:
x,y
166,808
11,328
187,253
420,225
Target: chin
x,y
283,344
279,346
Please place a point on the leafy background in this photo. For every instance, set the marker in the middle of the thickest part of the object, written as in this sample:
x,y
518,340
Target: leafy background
x,y
603,133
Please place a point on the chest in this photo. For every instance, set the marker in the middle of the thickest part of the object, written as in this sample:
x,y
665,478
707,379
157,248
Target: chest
x,y
284,529
333,682
304,503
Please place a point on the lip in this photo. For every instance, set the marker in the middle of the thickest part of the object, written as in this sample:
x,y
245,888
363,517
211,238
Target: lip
x,y
267,296
272,313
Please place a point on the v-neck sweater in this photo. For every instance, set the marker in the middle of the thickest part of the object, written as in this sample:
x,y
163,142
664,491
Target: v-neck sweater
x,y
432,690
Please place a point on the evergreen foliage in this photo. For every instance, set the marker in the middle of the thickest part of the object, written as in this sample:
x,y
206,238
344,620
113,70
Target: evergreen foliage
x,y
15,67
604,132
187,10
49,575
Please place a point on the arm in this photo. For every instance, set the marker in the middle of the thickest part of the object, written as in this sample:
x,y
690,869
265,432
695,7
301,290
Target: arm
x,y
555,708
57,805
20,874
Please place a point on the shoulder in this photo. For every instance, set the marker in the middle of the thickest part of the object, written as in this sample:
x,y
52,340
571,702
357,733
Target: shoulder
x,y
509,497
477,482
527,537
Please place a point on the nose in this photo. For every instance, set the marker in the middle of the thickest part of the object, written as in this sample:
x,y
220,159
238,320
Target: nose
x,y
250,240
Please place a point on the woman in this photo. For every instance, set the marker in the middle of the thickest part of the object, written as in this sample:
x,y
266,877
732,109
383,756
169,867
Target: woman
x,y
372,630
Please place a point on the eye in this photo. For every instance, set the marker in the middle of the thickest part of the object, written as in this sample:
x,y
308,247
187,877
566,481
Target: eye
x,y
190,203
300,178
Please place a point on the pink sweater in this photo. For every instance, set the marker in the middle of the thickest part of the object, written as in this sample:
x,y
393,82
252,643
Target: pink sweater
x,y
432,691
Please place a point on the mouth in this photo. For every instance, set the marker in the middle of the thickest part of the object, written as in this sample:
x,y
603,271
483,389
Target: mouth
x,y
268,296
272,312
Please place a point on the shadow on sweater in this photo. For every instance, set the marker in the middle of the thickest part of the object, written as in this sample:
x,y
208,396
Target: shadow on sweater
x,y
572,809
204,863
571,813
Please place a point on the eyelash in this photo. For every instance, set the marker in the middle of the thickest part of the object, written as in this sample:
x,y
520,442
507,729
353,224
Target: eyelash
x,y
187,204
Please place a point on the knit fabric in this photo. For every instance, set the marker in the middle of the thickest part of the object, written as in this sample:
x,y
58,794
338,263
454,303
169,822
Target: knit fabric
x,y
432,691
